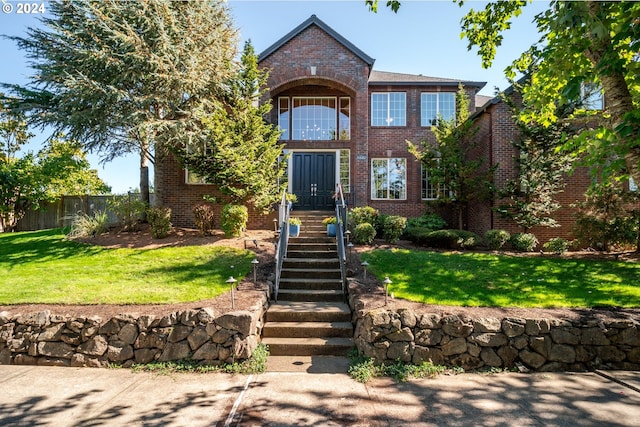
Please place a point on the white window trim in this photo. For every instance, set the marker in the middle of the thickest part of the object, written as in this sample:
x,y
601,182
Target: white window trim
x,y
339,169
187,173
388,159
389,119
437,107
290,127
442,190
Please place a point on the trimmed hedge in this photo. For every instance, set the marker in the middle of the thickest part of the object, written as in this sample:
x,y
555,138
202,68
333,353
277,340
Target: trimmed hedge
x,y
451,239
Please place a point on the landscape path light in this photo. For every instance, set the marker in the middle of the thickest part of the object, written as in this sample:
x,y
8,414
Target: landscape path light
x,y
231,281
255,263
386,282
350,246
364,265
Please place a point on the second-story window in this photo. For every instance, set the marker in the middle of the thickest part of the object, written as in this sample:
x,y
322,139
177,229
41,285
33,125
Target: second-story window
x,y
314,118
437,104
389,109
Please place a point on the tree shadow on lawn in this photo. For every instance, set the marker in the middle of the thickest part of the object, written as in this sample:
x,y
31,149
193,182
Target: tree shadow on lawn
x,y
19,248
494,281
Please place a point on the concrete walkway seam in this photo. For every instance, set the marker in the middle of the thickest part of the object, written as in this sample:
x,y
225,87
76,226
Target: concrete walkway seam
x,y
616,380
232,414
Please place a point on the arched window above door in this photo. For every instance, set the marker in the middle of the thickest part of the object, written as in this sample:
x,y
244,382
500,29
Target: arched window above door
x,y
314,118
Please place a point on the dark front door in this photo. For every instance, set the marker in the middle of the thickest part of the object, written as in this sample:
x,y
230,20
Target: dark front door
x,y
314,180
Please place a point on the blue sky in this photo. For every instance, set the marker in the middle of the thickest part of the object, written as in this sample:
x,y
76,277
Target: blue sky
x,y
422,38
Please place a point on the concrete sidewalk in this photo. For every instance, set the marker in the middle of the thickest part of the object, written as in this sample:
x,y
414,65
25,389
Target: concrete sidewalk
x,y
48,396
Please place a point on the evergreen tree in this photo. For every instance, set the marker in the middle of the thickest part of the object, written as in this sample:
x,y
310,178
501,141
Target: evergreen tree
x,y
126,76
239,151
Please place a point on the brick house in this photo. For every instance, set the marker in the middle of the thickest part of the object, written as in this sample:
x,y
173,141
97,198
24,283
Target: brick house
x,y
344,122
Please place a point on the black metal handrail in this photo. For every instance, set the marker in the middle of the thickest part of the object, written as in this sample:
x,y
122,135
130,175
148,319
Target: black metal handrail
x,y
341,224
283,240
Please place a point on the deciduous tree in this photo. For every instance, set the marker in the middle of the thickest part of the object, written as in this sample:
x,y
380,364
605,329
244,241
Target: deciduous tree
x,y
529,199
456,174
582,42
27,180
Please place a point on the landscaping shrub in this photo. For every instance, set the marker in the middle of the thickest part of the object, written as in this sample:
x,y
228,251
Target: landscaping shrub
x,y
204,216
392,227
364,233
606,234
496,239
451,239
524,242
128,209
234,220
363,214
417,235
379,226
85,225
467,239
557,245
160,222
429,220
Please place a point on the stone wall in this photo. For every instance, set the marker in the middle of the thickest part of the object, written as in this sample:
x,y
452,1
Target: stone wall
x,y
53,340
529,344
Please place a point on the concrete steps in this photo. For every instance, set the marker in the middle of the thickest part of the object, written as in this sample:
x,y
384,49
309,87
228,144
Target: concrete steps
x,y
325,346
308,329
311,317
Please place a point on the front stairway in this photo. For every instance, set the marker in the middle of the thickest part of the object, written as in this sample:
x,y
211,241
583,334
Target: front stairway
x,y
311,318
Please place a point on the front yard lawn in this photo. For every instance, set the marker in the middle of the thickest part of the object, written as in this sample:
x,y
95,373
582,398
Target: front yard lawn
x,y
43,267
483,279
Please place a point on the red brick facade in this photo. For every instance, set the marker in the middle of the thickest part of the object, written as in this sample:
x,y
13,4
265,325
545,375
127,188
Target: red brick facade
x,y
313,60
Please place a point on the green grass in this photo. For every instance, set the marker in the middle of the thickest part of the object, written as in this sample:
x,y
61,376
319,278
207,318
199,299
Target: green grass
x,y
363,368
44,267
489,280
256,364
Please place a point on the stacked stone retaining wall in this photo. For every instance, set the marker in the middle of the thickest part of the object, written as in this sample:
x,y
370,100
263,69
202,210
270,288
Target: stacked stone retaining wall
x,y
528,344
46,339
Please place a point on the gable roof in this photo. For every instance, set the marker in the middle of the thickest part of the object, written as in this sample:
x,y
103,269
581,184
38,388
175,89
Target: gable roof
x,y
383,78
314,20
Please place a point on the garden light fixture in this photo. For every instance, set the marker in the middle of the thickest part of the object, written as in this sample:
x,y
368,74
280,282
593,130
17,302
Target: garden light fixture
x,y
386,282
255,263
231,281
364,265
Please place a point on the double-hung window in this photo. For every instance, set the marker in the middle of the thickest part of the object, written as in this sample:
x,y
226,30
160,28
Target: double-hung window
x,y
389,109
389,179
434,105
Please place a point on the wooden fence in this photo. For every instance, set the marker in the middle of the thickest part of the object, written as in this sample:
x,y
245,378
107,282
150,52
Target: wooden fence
x,y
61,212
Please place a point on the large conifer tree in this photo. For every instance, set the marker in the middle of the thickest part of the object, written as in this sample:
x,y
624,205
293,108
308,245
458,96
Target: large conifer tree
x,y
238,150
126,76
